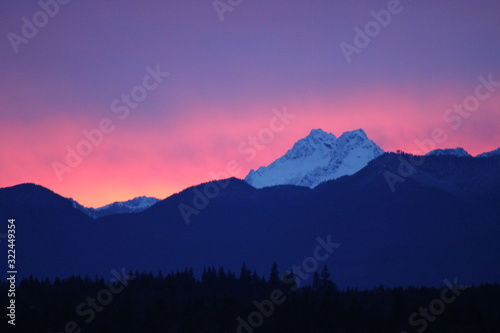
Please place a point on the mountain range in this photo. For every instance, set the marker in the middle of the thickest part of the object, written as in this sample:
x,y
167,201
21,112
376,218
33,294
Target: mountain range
x,y
441,221
317,158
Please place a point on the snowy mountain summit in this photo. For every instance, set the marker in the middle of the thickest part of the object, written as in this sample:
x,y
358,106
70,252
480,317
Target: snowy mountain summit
x,y
459,152
317,158
135,205
131,206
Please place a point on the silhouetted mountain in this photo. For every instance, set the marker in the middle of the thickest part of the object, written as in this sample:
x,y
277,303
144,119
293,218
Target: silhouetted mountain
x,y
492,153
438,220
52,237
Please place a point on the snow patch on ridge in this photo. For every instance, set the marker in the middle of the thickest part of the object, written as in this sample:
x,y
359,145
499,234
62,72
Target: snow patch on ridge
x,y
135,205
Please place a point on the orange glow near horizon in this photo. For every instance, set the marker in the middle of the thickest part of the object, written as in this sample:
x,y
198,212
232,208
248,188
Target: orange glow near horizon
x,y
159,160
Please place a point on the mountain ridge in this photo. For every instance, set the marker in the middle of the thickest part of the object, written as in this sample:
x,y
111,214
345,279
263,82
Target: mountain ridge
x,y
378,229
459,152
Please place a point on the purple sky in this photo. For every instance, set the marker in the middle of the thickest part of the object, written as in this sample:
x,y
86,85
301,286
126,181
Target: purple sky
x,y
225,78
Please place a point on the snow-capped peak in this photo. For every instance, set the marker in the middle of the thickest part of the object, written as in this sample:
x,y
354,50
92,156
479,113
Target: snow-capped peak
x,y
318,157
135,205
317,141
459,152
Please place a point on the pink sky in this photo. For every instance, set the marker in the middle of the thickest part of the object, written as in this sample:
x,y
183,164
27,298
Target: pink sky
x,y
226,78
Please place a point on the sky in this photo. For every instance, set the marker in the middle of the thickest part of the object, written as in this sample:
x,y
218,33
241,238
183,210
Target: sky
x,y
104,101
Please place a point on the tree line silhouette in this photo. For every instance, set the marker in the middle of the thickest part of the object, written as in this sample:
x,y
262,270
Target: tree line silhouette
x,y
225,301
